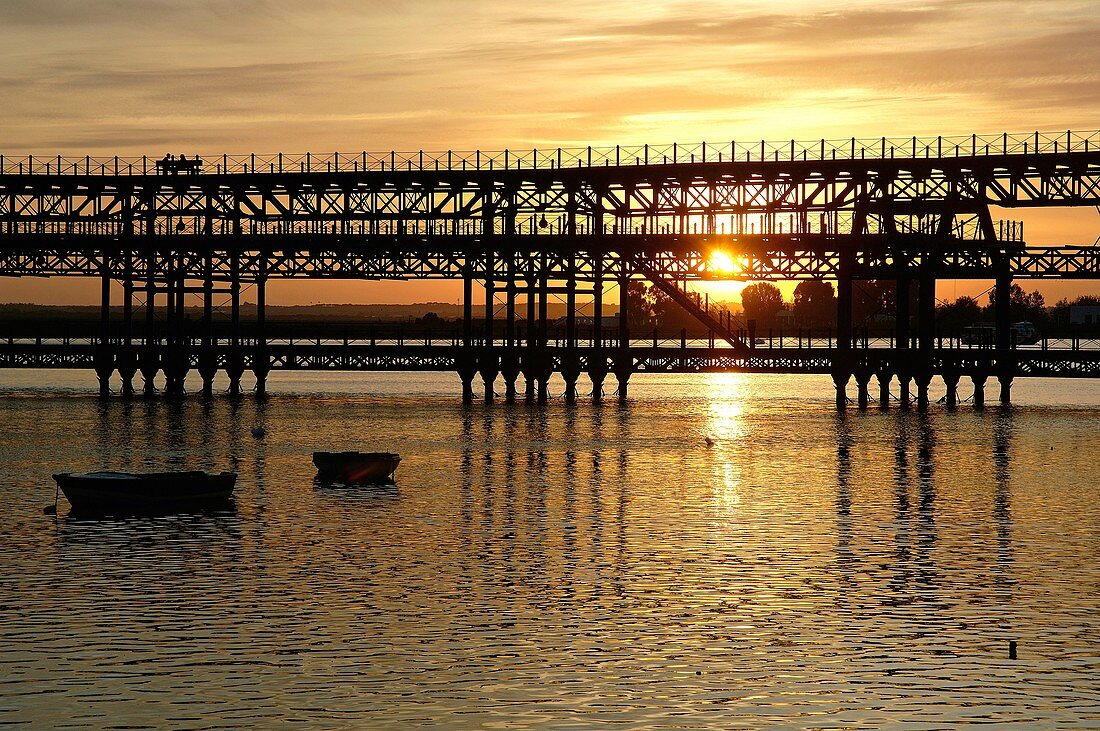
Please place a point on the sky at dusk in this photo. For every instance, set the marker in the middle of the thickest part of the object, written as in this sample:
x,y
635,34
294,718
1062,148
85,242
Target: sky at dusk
x,y
212,76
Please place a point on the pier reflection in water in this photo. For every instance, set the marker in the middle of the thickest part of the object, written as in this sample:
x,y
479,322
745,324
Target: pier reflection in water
x,y
559,566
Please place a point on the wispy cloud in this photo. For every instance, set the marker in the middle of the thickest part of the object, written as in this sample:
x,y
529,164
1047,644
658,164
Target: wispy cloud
x,y
123,74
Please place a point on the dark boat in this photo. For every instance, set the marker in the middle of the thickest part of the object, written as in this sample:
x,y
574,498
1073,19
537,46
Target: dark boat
x,y
148,490
356,467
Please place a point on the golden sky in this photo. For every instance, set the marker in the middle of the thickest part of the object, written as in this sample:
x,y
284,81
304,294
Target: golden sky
x,y
149,76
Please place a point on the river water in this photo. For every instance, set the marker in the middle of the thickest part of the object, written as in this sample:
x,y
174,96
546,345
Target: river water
x,y
559,567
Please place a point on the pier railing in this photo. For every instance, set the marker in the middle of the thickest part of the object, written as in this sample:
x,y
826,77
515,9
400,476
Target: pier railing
x,y
853,148
964,229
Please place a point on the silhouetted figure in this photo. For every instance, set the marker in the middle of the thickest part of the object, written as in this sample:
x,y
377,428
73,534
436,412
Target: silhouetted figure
x,y
172,165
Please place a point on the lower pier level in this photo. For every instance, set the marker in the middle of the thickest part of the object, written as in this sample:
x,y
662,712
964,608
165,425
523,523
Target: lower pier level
x,y
852,370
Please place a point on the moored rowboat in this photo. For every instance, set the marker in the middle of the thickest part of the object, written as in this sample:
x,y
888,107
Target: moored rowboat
x,y
99,490
356,467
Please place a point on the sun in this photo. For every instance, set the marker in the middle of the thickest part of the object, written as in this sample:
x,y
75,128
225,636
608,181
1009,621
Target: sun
x,y
721,262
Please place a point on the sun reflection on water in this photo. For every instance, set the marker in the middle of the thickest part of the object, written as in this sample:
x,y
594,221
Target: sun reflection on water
x,y
726,428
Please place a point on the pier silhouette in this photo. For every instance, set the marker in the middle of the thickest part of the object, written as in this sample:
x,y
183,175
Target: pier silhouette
x,y
579,224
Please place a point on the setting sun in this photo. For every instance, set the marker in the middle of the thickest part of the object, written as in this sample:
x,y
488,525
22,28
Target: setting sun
x,y
722,263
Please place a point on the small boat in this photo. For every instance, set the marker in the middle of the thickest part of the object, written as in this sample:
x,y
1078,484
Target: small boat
x,y
142,491
357,467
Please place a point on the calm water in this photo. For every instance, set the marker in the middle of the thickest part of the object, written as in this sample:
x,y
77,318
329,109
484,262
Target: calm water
x,y
559,567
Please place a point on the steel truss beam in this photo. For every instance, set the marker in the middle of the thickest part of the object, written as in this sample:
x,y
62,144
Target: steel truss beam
x,y
675,257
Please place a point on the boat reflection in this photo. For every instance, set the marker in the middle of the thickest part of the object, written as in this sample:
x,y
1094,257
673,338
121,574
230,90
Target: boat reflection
x,y
123,512
355,490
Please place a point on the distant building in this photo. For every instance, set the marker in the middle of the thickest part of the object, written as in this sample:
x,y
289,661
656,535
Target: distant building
x,y
1084,314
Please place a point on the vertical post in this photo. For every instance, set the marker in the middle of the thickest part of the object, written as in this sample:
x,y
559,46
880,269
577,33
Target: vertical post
x,y
597,360
624,304
623,365
926,320
236,365
842,361
1003,325
149,365
570,361
105,299
488,229
1002,313
259,357
926,327
544,335
128,298
597,303
488,371
467,308
511,304
532,340
844,287
104,356
208,363
182,361
170,324
127,363
901,341
467,364
510,365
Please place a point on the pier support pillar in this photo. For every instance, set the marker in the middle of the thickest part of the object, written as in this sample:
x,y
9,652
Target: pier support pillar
x,y
597,372
1006,388
863,398
489,371
923,379
840,382
884,389
570,372
951,380
103,372
979,389
261,380
208,369
488,378
904,397
510,369
571,386
149,375
623,377
528,388
235,372
127,369
467,370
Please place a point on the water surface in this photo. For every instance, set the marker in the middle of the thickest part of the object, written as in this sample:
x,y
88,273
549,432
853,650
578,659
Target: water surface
x,y
558,567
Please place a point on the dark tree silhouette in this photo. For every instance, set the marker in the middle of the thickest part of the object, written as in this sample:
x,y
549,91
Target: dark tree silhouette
x,y
815,302
958,314
639,307
761,302
1030,306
